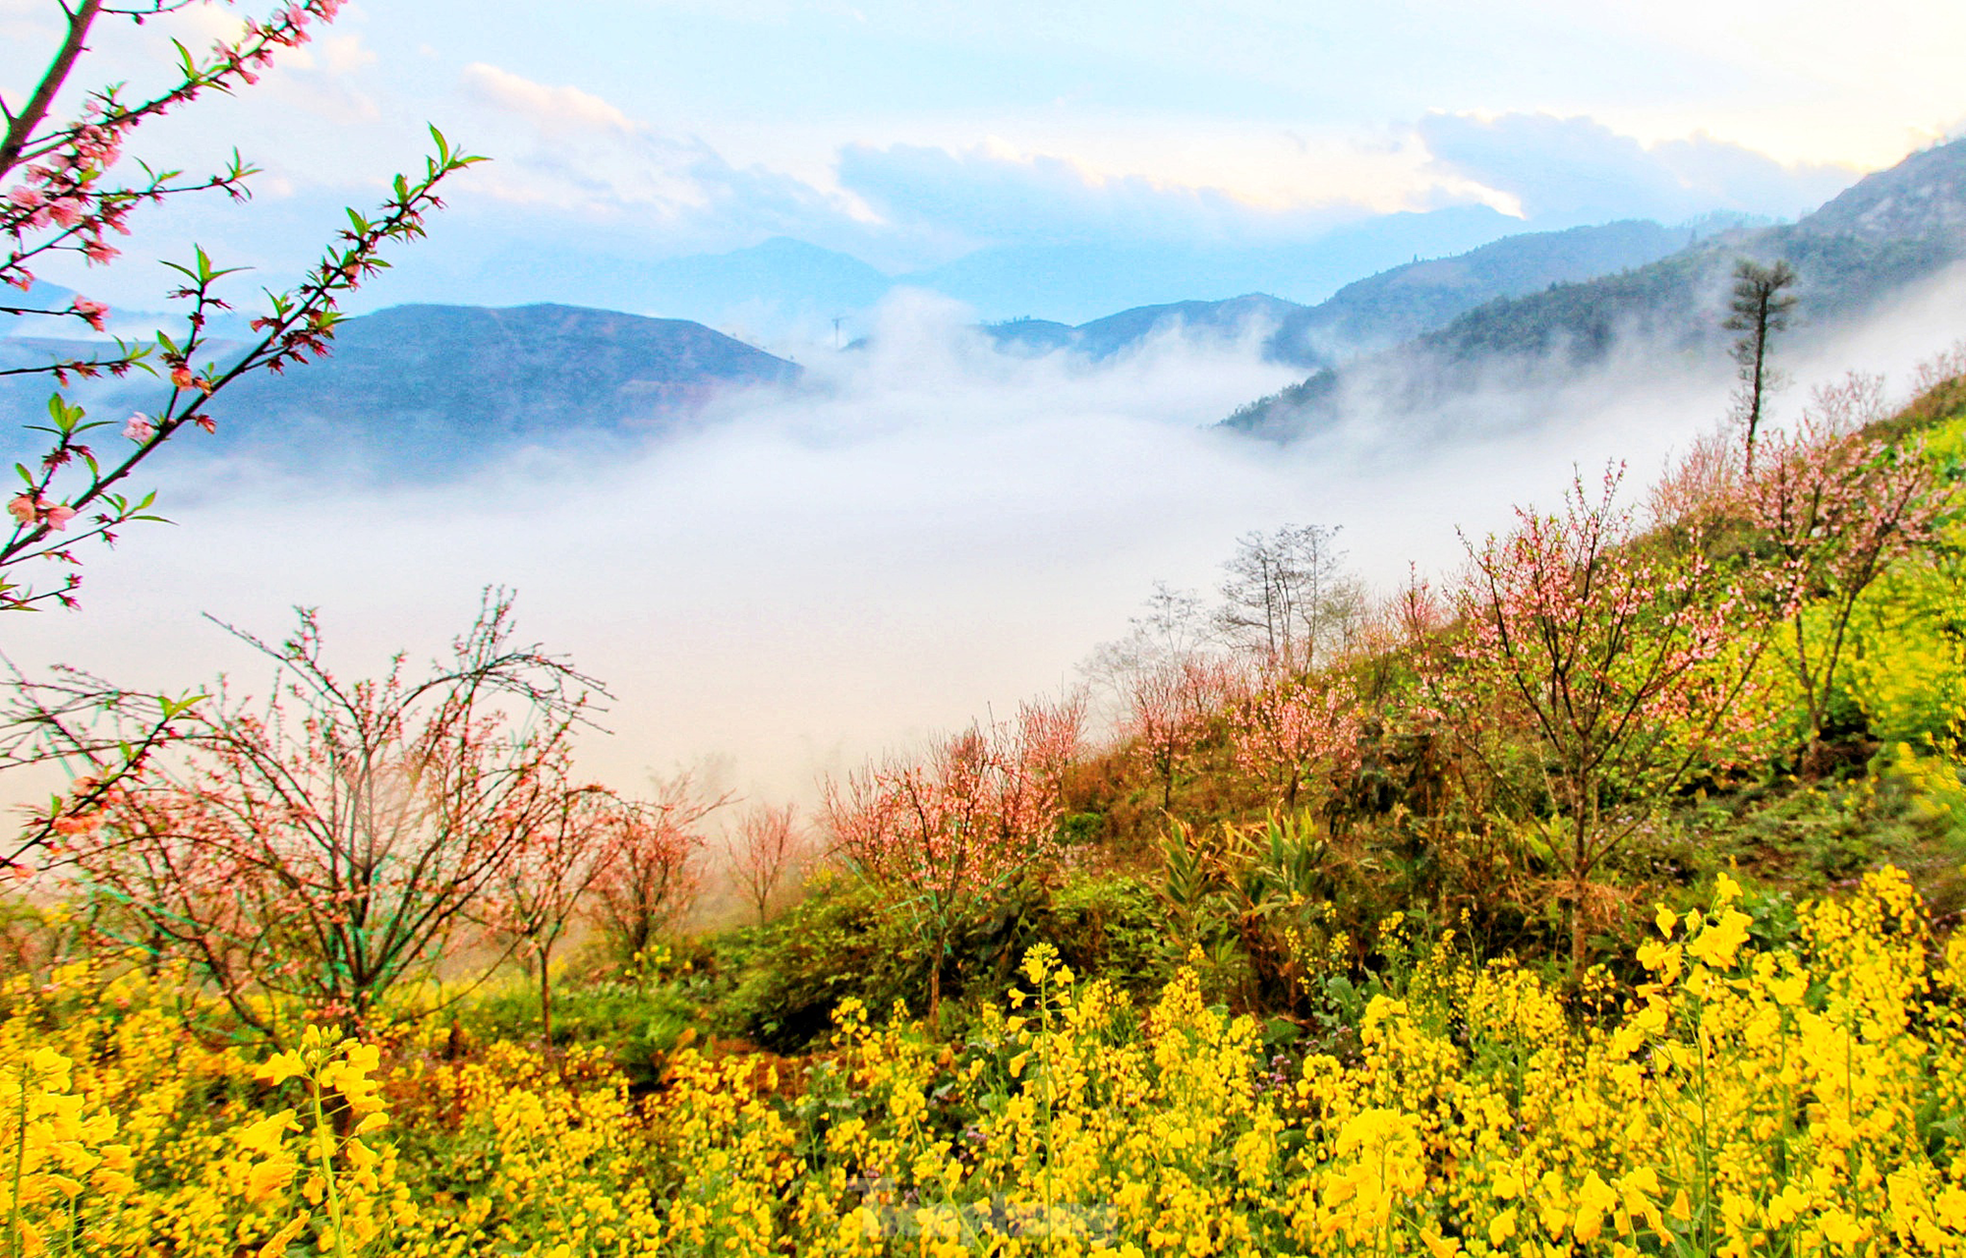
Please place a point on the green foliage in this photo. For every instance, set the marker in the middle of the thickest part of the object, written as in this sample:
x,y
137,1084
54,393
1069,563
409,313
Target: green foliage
x,y
637,1020
836,944
844,941
1909,673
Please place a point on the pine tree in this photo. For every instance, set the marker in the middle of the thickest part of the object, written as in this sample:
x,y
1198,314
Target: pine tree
x,y
1759,309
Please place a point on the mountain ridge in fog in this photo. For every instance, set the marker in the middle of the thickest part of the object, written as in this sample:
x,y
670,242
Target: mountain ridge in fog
x,y
440,388
1376,312
423,388
1887,232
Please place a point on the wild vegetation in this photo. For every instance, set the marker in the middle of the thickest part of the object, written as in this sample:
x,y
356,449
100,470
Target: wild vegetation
x,y
1595,900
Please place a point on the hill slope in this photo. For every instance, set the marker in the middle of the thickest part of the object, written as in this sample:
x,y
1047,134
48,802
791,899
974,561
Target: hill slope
x,y
445,380
1374,313
440,387
1889,230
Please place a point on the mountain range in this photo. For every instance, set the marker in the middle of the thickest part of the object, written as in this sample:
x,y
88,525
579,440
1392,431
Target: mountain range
x,y
785,286
1373,313
443,387
1886,232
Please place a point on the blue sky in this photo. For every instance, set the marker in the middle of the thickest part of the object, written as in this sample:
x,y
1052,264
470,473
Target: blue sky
x,y
912,133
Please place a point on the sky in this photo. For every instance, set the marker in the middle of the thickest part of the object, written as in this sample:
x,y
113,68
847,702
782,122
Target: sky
x,y
933,532
910,133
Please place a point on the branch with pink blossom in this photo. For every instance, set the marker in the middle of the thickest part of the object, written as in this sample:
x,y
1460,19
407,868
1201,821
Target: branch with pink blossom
x,y
59,197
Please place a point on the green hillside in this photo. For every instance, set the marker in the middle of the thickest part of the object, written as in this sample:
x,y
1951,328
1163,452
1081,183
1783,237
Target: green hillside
x,y
1889,231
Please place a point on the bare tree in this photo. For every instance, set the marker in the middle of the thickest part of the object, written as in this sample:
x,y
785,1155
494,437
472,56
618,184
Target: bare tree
x,y
1759,308
1174,626
767,850
1287,598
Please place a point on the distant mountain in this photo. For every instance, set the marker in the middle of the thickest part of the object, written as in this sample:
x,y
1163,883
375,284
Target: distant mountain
x,y
1076,282
782,280
1887,231
1218,321
40,295
1400,304
141,325
786,287
441,387
1374,313
1924,195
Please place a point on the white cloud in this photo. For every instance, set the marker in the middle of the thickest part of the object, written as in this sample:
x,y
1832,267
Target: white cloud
x,y
990,192
1577,169
343,54
553,110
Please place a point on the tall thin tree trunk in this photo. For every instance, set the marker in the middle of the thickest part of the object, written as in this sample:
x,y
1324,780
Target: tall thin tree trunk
x,y
1755,389
935,989
1579,872
546,993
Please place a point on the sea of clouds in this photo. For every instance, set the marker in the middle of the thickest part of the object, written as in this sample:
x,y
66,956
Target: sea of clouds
x,y
926,532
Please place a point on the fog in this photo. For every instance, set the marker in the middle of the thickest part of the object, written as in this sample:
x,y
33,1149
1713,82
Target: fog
x,y
927,532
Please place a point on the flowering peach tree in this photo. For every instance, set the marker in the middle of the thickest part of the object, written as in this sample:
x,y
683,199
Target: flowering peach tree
x,y
328,844
1832,507
537,892
765,854
102,735
946,831
650,878
1169,705
1292,732
1618,662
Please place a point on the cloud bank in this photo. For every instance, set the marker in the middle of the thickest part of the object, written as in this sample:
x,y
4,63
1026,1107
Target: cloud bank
x,y
1576,170
932,532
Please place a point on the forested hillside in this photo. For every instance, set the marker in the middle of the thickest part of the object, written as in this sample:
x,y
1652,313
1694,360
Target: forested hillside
x,y
1891,230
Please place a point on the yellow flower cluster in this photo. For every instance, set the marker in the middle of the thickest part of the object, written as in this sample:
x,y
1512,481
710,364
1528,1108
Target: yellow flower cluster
x,y
1740,1098
125,1135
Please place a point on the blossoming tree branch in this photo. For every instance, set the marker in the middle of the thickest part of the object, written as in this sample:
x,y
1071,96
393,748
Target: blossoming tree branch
x,y
66,188
67,192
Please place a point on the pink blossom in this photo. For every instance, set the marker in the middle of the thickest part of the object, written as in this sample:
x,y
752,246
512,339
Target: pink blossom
x,y
24,509
27,198
58,516
139,428
99,252
93,311
181,376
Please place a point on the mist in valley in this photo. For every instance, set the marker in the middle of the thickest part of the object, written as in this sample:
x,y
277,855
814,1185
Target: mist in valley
x,y
925,532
